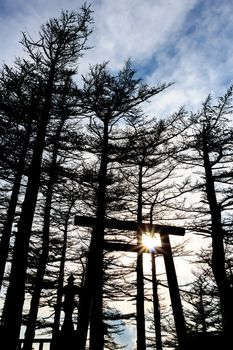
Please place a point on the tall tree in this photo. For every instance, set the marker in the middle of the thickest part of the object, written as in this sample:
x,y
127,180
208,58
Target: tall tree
x,y
20,98
61,43
107,101
209,146
63,112
148,167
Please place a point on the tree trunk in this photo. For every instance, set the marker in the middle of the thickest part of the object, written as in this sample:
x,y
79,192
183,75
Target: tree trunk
x,y
31,323
13,307
91,299
56,322
97,325
218,255
6,231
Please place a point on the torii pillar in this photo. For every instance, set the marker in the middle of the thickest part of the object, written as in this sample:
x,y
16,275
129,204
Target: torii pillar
x,y
165,249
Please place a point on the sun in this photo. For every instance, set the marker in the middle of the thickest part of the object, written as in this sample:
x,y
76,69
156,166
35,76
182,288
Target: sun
x,y
151,242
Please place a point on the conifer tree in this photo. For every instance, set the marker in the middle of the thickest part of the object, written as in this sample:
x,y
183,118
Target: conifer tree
x,y
208,145
62,41
107,100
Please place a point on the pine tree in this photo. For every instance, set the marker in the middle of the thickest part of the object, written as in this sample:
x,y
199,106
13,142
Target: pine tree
x,y
107,100
208,144
61,43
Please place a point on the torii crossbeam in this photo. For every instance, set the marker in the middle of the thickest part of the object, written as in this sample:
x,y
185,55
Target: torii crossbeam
x,y
165,250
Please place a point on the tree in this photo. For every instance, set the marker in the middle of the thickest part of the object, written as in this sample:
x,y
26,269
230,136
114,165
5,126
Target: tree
x,y
20,97
63,112
107,100
61,43
203,313
149,167
208,149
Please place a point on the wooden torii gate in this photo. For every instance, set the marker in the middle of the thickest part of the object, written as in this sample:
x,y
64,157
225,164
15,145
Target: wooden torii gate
x,y
165,250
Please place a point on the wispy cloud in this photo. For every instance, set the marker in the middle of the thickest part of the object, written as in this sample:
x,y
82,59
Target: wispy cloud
x,y
136,28
187,42
199,58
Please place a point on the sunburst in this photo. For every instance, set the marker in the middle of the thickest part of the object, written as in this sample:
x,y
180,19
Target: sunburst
x,y
151,242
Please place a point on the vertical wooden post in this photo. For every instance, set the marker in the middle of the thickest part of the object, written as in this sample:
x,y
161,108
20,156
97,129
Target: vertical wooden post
x,y
174,291
141,339
141,332
96,317
156,305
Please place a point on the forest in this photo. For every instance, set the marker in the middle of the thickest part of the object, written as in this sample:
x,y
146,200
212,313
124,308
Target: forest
x,y
82,145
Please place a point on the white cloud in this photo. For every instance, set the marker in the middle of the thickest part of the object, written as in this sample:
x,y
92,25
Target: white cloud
x,y
202,62
135,28
189,43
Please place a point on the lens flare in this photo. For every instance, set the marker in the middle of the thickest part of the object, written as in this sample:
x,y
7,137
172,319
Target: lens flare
x,y
151,242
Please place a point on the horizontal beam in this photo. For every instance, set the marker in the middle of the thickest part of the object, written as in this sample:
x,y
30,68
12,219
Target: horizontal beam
x,y
126,247
130,225
39,340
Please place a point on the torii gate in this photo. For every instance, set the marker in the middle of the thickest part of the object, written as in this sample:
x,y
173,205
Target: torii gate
x,y
165,250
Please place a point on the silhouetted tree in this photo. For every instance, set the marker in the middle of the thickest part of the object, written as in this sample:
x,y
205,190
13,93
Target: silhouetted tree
x,y
20,99
209,145
107,100
61,43
149,167
63,112
203,313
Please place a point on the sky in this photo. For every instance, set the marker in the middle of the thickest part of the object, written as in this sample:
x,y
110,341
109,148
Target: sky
x,y
188,42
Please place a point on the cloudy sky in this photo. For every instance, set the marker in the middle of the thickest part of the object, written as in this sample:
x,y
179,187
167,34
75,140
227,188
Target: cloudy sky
x,y
188,42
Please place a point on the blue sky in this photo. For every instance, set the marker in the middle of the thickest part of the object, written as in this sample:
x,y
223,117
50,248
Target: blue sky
x,y
188,42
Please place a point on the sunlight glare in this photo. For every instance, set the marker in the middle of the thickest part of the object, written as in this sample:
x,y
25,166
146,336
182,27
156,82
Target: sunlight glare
x,y
151,242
